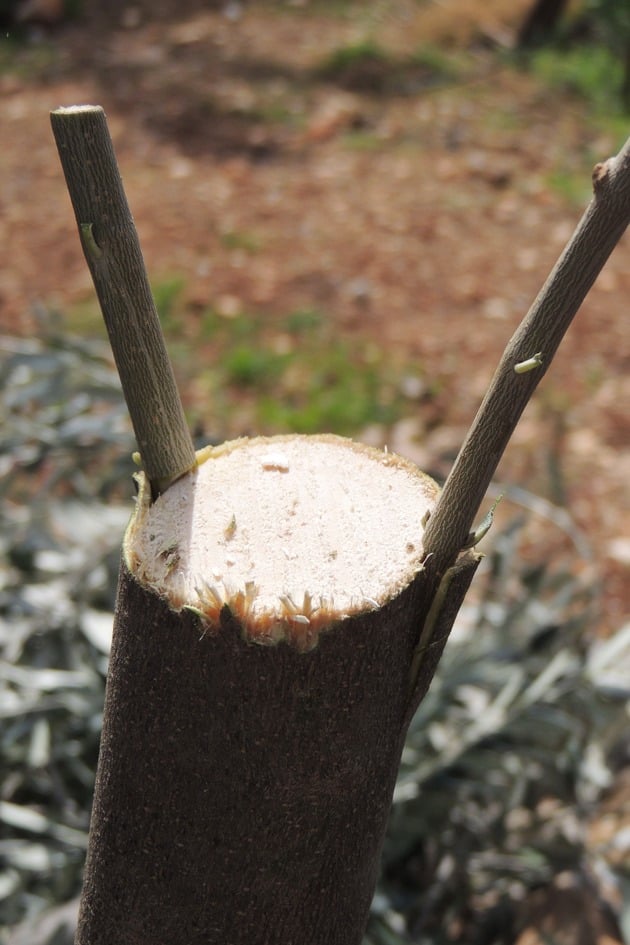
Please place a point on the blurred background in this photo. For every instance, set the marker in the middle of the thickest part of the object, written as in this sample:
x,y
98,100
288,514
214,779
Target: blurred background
x,y
345,208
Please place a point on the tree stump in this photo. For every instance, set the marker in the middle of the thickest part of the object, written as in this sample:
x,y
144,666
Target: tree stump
x,y
275,630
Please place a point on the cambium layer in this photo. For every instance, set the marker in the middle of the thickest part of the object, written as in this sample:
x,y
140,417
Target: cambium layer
x,y
291,534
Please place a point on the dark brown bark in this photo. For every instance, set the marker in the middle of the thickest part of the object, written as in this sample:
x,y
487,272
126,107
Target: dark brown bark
x,y
541,19
625,84
243,791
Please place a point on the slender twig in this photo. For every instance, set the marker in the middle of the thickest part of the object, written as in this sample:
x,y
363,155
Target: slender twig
x,y
527,357
112,250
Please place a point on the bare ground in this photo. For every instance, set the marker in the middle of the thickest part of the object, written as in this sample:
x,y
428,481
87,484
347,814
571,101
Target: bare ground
x,y
413,206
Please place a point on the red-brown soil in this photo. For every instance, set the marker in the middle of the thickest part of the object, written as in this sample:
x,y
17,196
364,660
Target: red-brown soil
x,y
413,209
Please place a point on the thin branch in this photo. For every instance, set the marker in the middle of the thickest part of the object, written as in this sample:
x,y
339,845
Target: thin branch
x,y
112,250
527,357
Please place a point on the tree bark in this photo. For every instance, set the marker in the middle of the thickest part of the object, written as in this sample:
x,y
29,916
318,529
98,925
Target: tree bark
x,y
625,82
112,251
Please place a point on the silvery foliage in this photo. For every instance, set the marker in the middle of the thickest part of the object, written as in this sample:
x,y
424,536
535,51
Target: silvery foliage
x,y
523,727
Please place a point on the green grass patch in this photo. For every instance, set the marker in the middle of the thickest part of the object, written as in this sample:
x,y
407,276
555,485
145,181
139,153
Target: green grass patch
x,y
573,186
85,318
166,294
364,52
250,366
359,67
592,73
366,67
333,390
236,239
29,62
294,373
440,64
360,139
266,374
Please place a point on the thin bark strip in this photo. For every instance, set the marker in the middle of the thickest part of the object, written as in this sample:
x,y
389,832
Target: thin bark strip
x,y
539,334
113,254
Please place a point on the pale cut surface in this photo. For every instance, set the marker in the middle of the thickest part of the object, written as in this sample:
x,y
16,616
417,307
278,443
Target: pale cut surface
x,y
291,533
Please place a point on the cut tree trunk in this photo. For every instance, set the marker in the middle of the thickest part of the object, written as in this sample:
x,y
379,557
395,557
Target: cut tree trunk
x,y
266,663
